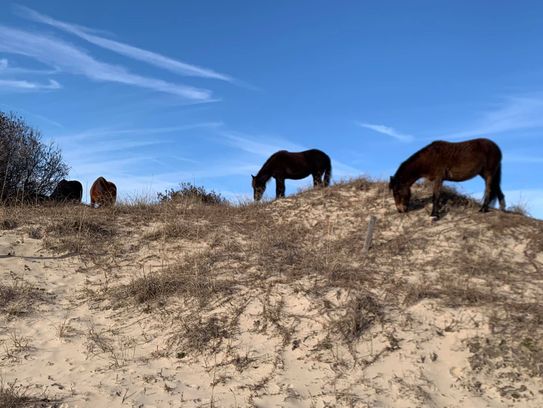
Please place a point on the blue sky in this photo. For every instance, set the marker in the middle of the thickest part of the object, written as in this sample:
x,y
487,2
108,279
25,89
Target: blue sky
x,y
150,94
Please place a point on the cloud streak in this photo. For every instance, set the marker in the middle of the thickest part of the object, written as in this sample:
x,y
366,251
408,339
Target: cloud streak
x,y
386,130
136,53
57,53
103,132
250,145
514,113
7,69
27,85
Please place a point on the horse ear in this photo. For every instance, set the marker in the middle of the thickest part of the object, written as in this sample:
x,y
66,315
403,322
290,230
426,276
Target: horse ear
x,y
253,176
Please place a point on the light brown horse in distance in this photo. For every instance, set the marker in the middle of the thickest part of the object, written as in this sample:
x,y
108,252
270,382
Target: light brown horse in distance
x,y
103,193
444,161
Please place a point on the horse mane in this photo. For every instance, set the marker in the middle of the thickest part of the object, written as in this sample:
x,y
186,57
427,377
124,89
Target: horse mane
x,y
415,156
263,170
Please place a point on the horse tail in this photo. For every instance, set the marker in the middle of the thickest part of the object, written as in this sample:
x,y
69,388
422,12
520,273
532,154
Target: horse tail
x,y
327,172
495,189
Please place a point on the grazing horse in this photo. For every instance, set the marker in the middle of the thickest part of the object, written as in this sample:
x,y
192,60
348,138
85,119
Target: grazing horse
x,y
103,193
289,165
440,161
67,190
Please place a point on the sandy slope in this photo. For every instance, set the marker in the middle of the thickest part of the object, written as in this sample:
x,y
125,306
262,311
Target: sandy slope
x,y
76,346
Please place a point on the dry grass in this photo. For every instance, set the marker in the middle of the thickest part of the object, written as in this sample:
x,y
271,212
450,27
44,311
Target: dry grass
x,y
118,350
516,340
193,278
18,396
18,297
72,229
361,313
201,334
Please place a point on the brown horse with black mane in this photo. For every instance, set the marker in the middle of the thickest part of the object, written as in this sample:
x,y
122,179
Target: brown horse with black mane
x,y
292,165
103,193
444,161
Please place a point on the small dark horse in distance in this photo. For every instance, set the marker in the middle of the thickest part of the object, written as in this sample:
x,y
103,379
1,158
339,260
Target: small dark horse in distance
x,y
292,165
103,193
67,191
444,161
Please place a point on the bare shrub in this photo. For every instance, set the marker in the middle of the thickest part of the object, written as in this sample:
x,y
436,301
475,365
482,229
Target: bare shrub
x,y
188,191
28,167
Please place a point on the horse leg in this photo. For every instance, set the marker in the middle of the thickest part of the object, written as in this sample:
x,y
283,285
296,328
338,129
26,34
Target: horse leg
x,y
435,197
501,199
488,193
317,180
279,188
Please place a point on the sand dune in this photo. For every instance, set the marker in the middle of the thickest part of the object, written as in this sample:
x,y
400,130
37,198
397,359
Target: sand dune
x,y
273,305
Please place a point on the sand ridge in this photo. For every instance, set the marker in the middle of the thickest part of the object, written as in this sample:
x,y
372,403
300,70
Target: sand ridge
x,y
289,312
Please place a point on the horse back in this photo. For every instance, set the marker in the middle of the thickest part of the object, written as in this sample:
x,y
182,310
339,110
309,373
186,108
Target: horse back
x,y
68,190
302,164
468,150
462,160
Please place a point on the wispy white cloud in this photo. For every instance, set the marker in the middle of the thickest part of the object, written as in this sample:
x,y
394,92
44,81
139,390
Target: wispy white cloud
x,y
110,147
386,130
65,56
140,54
252,145
22,84
93,134
514,113
27,85
7,69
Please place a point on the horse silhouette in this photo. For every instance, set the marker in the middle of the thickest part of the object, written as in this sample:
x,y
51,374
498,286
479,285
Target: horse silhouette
x,y
292,165
67,190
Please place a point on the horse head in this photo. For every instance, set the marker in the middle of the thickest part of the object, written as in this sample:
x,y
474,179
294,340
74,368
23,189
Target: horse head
x,y
258,188
401,193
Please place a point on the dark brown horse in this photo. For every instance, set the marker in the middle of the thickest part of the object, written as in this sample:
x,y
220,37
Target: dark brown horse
x,y
289,165
67,191
441,161
103,193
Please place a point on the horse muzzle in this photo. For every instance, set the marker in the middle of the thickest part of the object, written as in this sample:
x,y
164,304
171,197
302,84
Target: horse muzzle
x,y
402,208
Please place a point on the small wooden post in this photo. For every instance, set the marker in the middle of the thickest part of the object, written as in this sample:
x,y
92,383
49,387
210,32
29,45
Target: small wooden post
x,y
369,233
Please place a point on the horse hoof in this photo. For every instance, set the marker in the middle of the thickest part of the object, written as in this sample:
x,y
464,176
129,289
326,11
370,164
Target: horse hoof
x,y
434,218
